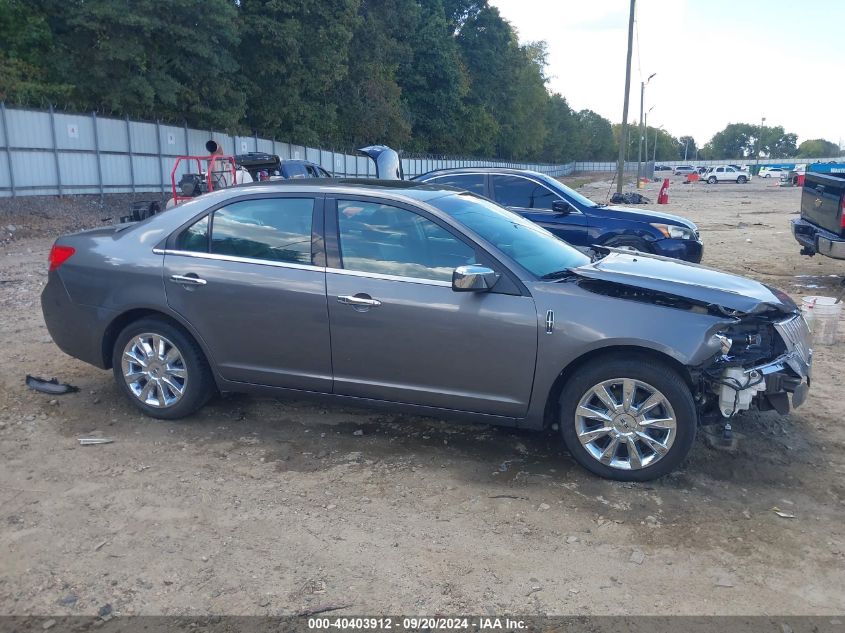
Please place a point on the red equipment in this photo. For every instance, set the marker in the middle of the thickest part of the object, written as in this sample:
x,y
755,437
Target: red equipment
x,y
210,174
663,196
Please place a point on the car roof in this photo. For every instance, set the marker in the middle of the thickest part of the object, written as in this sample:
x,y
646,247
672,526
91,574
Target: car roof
x,y
409,189
481,170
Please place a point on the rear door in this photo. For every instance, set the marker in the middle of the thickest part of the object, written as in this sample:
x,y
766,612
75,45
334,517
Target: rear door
x,y
250,279
534,201
398,330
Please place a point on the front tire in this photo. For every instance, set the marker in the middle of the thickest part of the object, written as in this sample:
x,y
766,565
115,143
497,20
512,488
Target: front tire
x,y
161,369
741,180
628,419
712,180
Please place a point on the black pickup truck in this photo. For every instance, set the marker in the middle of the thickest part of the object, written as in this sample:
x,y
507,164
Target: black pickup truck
x,y
821,227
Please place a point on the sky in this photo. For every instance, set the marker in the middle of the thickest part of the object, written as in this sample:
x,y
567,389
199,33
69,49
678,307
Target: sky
x,y
717,61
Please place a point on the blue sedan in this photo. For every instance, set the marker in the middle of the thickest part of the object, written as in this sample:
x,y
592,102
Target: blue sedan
x,y
574,218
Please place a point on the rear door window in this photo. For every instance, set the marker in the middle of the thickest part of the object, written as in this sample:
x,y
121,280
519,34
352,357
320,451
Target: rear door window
x,y
273,229
515,191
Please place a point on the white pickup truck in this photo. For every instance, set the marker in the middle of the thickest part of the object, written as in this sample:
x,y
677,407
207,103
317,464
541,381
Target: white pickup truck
x,y
726,173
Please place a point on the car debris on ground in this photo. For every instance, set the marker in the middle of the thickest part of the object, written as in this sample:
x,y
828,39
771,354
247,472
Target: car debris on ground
x,y
93,441
52,386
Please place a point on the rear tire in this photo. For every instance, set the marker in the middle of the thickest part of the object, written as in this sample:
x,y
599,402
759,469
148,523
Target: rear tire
x,y
651,439
161,369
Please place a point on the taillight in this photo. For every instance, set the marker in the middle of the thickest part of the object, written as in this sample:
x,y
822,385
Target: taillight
x,y
59,255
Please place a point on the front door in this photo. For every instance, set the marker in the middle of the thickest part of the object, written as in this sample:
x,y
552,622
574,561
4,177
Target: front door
x,y
398,330
244,278
533,200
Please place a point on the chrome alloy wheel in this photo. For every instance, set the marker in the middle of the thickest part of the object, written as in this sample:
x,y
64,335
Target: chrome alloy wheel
x,y
154,370
625,423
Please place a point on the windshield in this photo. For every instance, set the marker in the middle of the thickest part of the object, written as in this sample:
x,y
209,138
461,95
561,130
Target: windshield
x,y
566,191
533,247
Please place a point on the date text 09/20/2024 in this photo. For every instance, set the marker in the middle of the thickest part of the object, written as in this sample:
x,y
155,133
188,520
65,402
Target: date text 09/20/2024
x,y
418,623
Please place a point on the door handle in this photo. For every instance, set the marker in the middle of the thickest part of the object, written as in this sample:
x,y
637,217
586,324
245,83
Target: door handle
x,y
190,279
356,300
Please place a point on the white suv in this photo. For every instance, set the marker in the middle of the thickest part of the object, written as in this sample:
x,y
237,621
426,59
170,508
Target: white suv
x,y
725,173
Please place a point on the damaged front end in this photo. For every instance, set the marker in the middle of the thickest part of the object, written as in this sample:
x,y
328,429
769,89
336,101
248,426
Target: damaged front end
x,y
763,357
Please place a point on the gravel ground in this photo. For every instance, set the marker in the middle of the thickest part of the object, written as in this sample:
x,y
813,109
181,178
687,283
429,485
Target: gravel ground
x,y
256,506
39,216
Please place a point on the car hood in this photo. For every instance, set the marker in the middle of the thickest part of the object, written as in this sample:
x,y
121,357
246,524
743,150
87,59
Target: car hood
x,y
644,215
690,281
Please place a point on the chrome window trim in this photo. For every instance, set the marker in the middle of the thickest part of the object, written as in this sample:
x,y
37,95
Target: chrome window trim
x,y
575,211
236,259
412,280
267,262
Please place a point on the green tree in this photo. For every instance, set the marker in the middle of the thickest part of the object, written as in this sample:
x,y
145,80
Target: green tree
x,y
737,140
818,148
26,55
294,56
776,143
434,83
686,148
561,141
369,99
134,58
595,136
744,140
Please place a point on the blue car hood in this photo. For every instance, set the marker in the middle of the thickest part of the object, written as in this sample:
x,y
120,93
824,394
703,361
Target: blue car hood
x,y
690,281
642,215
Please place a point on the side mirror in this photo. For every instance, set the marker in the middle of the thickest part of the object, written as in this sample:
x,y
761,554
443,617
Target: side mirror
x,y
562,207
473,278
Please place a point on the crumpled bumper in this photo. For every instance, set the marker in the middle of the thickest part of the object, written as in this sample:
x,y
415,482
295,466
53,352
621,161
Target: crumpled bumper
x,y
789,374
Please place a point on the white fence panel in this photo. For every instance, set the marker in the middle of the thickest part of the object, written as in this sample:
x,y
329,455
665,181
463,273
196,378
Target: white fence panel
x,y
61,153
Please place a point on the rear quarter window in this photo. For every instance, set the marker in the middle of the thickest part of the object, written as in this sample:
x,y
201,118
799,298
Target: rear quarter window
x,y
194,238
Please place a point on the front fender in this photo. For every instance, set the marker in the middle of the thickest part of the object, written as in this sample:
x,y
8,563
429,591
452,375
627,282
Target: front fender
x,y
585,322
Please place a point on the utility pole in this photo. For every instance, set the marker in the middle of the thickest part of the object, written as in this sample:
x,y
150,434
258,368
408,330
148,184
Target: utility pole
x,y
643,130
686,146
646,141
620,166
760,144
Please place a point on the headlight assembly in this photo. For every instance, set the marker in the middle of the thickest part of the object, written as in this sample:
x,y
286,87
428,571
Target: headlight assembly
x,y
675,232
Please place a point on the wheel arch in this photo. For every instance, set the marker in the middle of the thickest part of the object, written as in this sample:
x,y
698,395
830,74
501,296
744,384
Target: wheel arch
x,y
597,355
116,326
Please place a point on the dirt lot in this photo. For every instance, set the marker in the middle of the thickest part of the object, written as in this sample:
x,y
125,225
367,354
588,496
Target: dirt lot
x,y
264,507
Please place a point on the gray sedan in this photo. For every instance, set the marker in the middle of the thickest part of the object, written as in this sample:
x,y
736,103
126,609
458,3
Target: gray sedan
x,y
428,300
